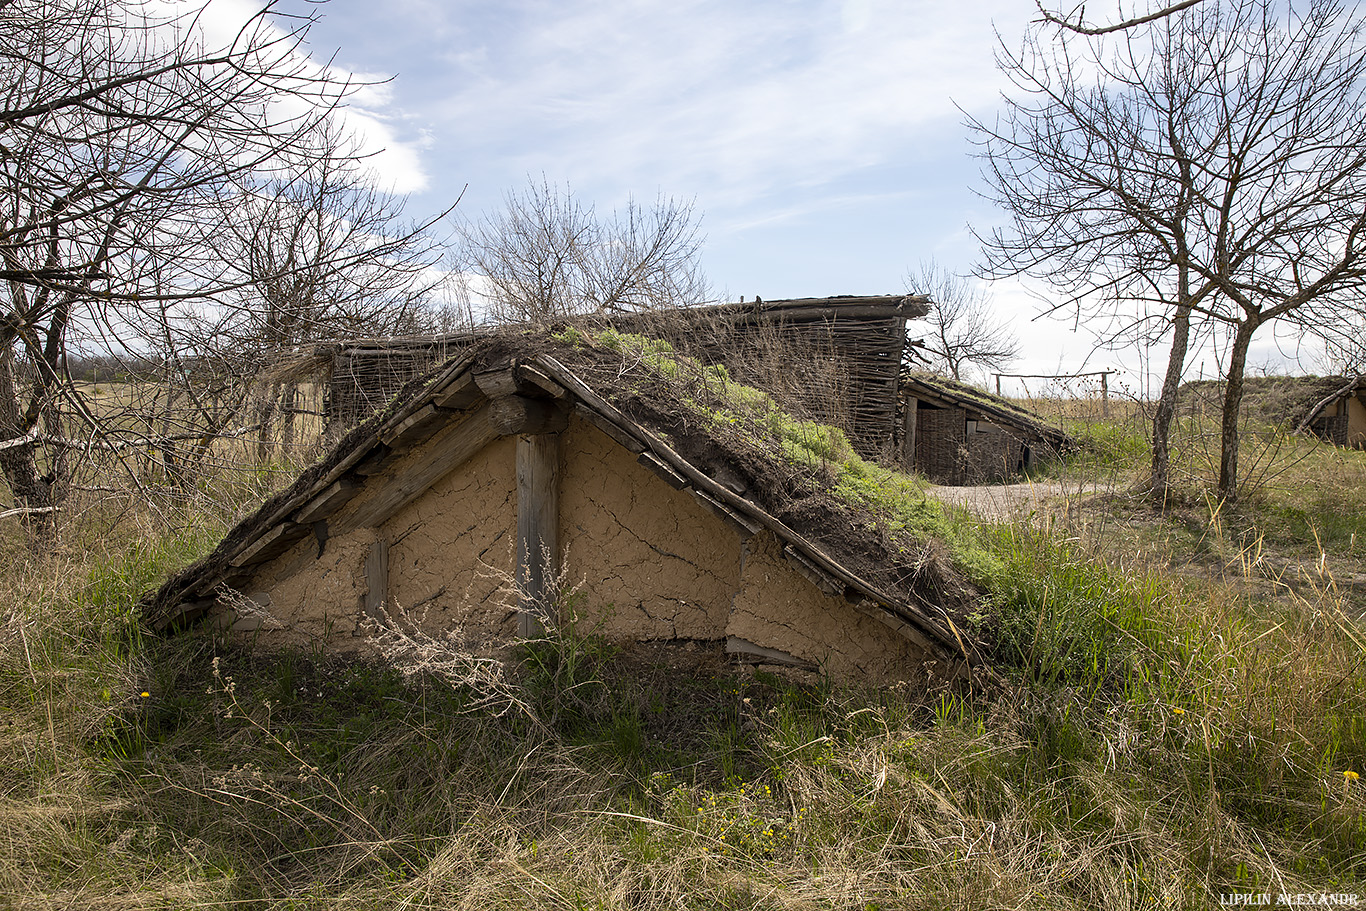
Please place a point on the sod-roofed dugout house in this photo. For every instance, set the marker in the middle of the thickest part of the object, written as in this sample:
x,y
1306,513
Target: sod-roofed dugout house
x,y
1332,408
956,434
508,463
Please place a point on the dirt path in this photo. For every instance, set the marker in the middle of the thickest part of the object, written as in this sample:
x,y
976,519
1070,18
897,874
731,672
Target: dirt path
x,y
1010,502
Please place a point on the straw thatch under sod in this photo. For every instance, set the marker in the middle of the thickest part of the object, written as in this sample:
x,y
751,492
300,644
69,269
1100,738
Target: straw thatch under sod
x,y
531,459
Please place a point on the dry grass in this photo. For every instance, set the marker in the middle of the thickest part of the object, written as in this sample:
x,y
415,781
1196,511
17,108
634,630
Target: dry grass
x,y
1179,699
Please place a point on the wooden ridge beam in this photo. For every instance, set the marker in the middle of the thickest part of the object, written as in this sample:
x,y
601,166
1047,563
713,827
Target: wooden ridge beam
x,y
517,414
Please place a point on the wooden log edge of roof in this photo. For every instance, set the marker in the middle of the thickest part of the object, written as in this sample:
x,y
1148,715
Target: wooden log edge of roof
x,y
1353,384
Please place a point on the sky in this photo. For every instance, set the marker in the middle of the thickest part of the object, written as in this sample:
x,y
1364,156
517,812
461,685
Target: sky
x,y
822,142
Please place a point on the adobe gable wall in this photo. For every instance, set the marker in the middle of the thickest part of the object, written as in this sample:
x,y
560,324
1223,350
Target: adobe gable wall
x,y
450,554
305,598
451,550
653,562
776,607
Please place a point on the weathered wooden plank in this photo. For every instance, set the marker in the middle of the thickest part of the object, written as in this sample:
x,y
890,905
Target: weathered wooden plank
x,y
538,517
327,501
737,646
615,431
270,543
887,618
813,573
542,382
388,493
517,414
377,578
459,394
415,427
184,614
744,527
502,381
827,314
374,461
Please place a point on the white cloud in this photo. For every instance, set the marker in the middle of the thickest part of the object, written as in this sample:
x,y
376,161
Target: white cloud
x,y
705,93
392,163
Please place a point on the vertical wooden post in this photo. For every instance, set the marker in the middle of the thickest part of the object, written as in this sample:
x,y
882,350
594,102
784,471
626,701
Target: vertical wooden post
x,y
376,578
998,384
1105,394
538,518
912,415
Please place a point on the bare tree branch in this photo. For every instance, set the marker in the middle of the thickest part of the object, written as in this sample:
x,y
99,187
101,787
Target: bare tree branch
x,y
1079,28
26,511
963,330
182,202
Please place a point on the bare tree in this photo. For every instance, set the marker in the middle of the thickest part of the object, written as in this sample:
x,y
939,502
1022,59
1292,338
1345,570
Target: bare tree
x,y
963,330
322,255
123,130
1210,168
548,256
1344,342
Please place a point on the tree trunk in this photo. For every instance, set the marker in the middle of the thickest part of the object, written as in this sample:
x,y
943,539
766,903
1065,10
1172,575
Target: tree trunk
x,y
20,464
1233,401
289,407
265,416
1160,482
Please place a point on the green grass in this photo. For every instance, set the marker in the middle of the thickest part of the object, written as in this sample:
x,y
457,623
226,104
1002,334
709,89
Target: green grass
x,y
1152,743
